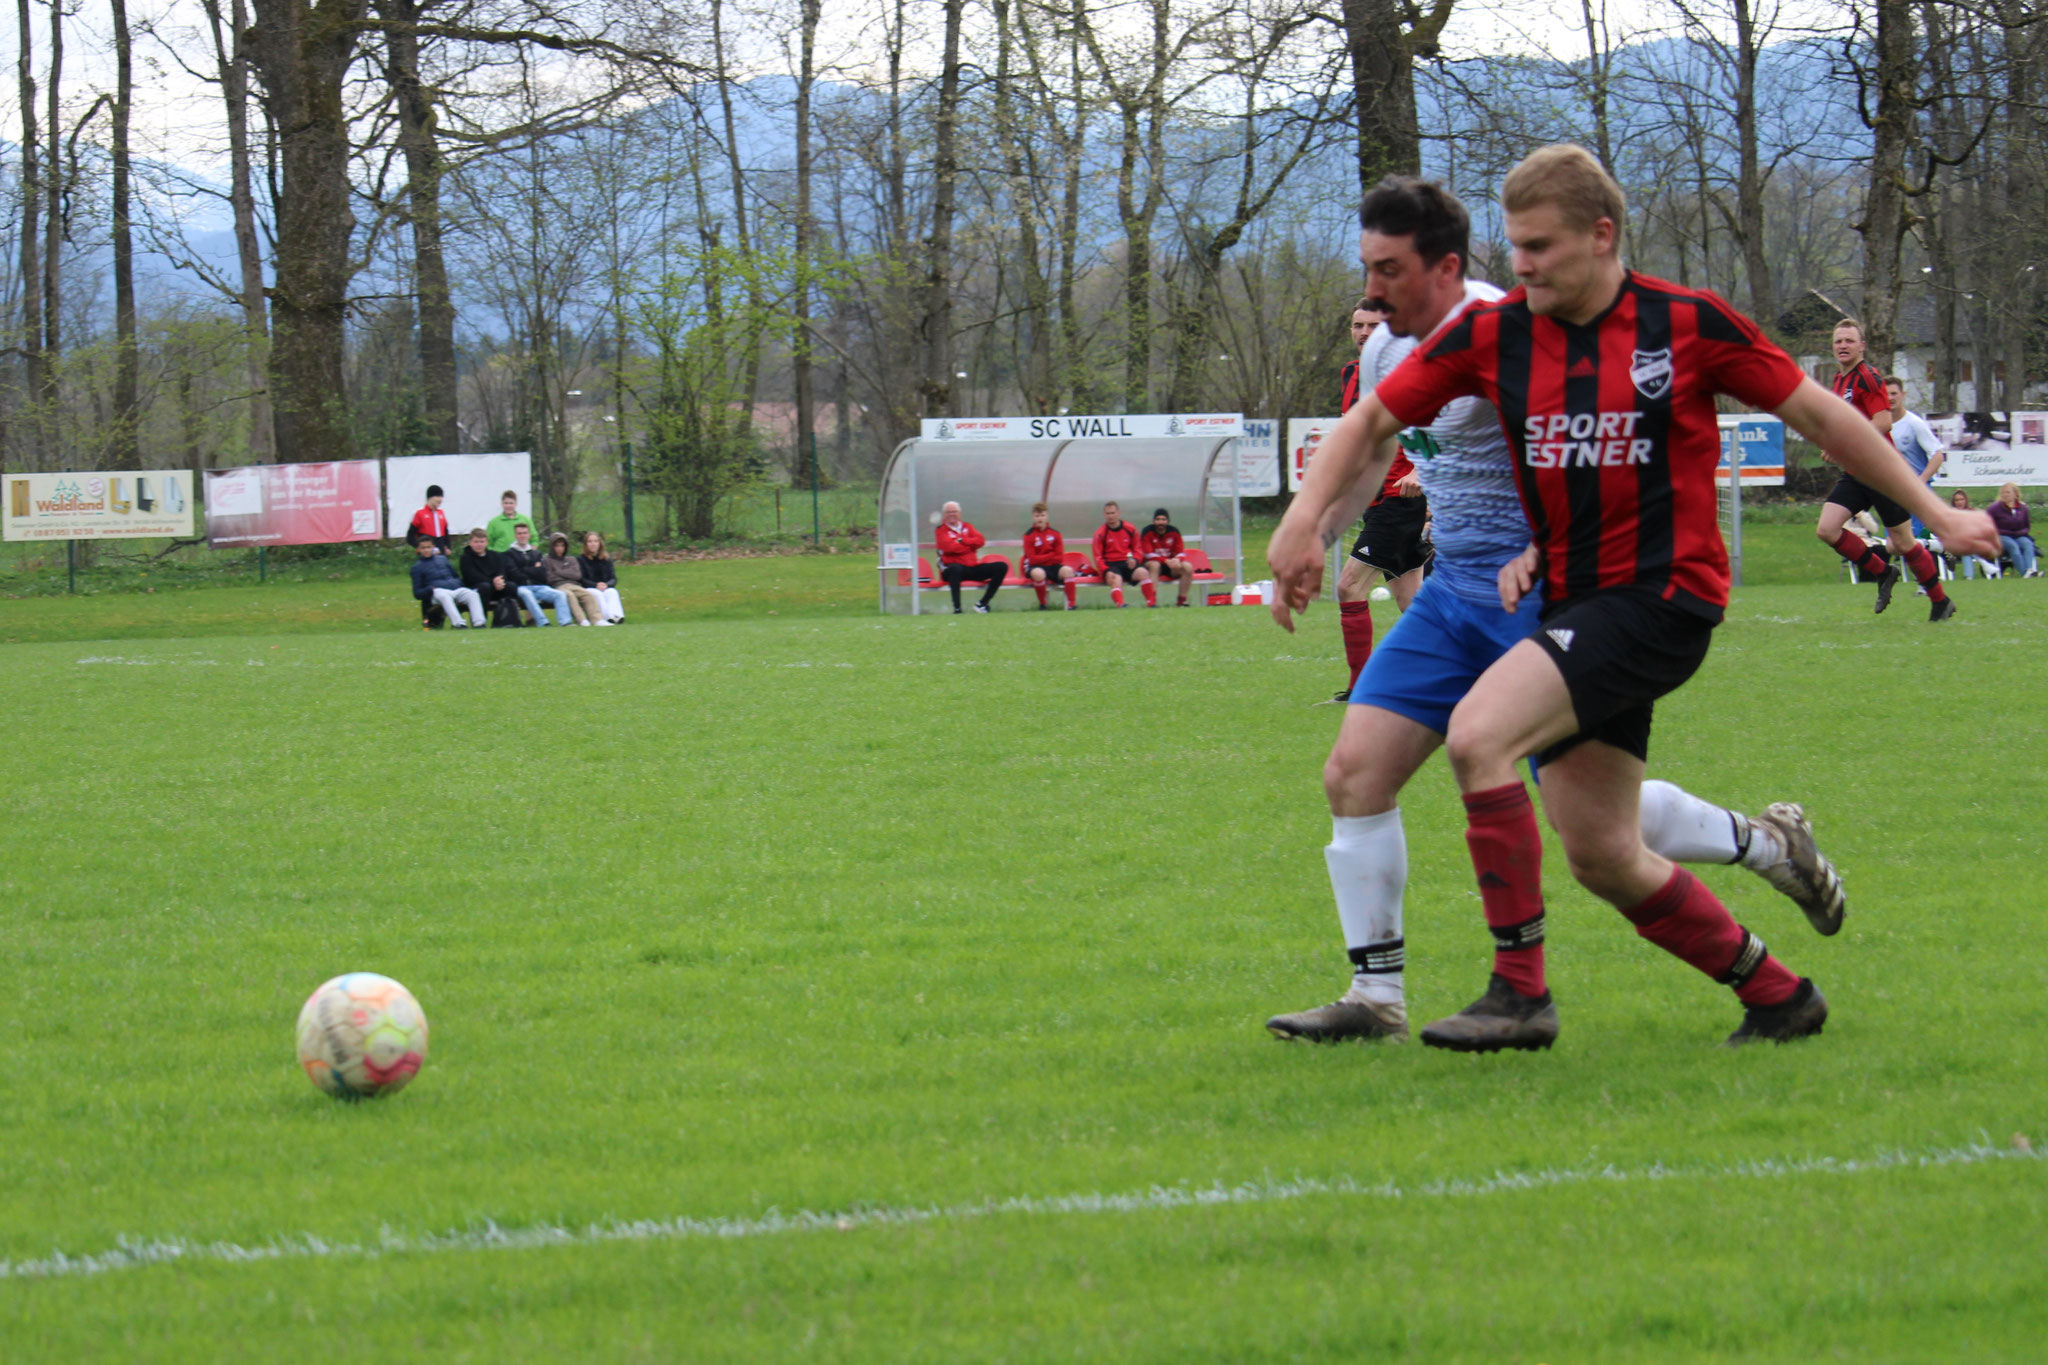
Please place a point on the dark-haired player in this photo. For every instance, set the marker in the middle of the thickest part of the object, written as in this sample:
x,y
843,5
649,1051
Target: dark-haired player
x,y
1165,553
1045,558
1391,541
1604,381
1118,557
1857,384
1413,240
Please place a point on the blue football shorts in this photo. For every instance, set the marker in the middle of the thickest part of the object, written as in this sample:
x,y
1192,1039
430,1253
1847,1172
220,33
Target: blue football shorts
x,y
1428,662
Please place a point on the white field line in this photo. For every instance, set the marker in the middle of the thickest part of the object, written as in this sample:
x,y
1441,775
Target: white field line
x,y
133,1253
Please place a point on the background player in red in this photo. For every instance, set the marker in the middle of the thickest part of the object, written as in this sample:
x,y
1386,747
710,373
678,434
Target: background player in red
x,y
1862,388
960,561
430,522
1165,553
1045,558
1392,541
1118,557
1605,383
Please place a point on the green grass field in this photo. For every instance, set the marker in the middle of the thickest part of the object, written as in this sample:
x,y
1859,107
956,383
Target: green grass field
x,y
812,985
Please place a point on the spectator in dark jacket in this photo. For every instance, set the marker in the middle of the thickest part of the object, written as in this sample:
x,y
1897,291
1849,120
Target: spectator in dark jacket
x,y
484,572
564,573
434,580
2015,525
601,577
529,580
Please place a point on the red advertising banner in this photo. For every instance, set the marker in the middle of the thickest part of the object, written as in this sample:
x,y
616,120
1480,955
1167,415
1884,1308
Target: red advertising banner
x,y
293,504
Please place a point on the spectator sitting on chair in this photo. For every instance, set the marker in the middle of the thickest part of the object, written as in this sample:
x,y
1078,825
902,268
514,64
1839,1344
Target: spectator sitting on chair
x,y
1045,558
430,522
500,526
529,579
958,543
434,580
1968,563
1166,553
1118,556
565,575
2015,525
601,577
483,572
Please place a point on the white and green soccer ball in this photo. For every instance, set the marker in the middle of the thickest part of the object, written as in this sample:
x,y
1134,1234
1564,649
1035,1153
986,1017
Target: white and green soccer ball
x,y
361,1035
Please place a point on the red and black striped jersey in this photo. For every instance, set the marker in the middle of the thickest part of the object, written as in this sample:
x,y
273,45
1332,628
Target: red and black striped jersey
x,y
1612,428
1401,468
1862,389
1350,393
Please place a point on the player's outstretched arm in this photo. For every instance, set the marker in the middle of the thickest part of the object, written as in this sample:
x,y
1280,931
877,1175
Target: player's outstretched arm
x,y
1862,450
1350,465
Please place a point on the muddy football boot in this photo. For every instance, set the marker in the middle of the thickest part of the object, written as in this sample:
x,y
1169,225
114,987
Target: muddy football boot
x,y
1799,1015
1342,1021
1886,581
1501,1018
1804,873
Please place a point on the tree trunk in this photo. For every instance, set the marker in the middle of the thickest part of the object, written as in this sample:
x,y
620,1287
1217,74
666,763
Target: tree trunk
x,y
1600,74
2022,211
806,232
35,364
1035,365
123,446
936,328
1382,91
416,138
301,50
1884,210
750,384
54,188
230,38
1749,177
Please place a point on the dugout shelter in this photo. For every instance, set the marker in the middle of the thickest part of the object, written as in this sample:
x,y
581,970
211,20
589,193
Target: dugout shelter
x,y
996,468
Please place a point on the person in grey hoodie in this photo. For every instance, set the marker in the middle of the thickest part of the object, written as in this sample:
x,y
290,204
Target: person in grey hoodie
x,y
565,575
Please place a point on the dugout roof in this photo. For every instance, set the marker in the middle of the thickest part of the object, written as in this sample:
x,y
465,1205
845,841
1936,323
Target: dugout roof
x,y
1194,477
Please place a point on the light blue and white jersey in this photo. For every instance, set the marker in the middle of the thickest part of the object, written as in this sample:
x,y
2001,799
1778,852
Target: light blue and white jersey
x,y
1916,440
1466,468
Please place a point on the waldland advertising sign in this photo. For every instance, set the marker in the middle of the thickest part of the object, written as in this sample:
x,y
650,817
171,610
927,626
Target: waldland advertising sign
x,y
1133,425
105,505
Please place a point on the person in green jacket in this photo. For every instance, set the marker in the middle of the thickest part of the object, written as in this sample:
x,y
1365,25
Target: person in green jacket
x,y
500,526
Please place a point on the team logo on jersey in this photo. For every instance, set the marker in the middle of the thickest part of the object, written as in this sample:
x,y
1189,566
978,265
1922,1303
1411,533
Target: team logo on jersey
x,y
1651,371
1563,638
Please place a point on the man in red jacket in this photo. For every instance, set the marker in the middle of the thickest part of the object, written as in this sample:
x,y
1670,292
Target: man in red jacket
x,y
430,522
1166,554
1119,557
959,558
1045,558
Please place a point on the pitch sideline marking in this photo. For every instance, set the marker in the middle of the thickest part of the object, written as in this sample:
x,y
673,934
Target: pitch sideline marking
x,y
133,1254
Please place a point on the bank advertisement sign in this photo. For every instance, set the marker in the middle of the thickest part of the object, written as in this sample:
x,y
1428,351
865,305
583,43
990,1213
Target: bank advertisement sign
x,y
293,504
1760,437
104,505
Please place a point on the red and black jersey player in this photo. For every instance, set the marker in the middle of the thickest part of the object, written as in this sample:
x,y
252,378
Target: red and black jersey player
x,y
1862,388
1605,382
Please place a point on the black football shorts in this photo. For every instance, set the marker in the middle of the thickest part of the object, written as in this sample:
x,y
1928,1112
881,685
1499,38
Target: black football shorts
x,y
1390,538
1854,494
1126,569
1620,649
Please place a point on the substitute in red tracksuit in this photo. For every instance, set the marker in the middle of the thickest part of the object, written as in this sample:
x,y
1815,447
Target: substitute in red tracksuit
x,y
959,558
430,522
1045,558
1166,554
1119,558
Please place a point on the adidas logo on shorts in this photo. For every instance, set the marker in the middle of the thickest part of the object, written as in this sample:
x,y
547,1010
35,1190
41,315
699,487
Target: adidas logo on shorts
x,y
1563,638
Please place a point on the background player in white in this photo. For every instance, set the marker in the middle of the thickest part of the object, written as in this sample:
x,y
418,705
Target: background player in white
x,y
1414,245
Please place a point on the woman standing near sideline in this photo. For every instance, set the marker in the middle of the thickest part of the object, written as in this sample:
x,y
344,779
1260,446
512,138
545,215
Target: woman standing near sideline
x,y
601,576
2015,523
565,575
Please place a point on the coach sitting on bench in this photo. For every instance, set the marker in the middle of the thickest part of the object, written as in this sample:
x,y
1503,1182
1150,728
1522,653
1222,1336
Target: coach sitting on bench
x,y
958,543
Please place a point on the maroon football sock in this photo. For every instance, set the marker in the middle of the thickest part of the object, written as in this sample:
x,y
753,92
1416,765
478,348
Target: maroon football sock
x,y
1356,620
1866,557
1507,855
1689,922
1924,568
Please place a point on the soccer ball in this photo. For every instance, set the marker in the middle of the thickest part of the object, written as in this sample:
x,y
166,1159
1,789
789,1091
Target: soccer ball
x,y
361,1035
1380,594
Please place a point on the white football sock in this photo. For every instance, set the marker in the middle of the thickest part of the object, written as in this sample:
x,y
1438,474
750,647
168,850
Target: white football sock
x,y
1685,829
1368,860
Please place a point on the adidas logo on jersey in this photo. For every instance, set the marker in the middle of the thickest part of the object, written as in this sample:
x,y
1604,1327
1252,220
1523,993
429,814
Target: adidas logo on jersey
x,y
1563,638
